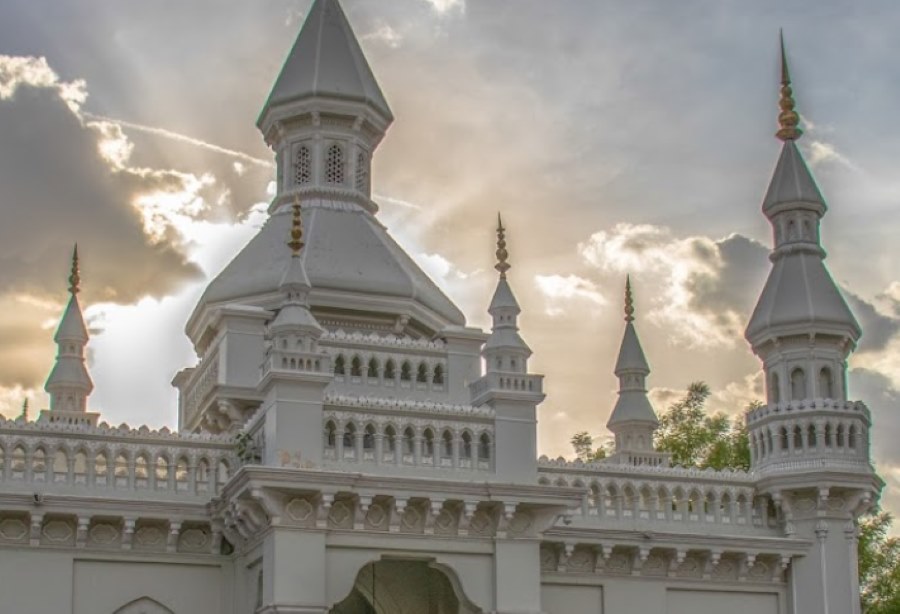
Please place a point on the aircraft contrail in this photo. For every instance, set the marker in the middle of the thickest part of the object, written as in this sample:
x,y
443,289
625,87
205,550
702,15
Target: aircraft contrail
x,y
183,139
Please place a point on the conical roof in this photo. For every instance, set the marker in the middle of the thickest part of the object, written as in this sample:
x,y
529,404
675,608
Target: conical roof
x,y
632,406
327,61
631,354
792,182
71,326
503,297
800,294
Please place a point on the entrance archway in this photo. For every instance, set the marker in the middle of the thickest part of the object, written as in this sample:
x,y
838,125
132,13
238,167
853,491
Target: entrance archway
x,y
401,586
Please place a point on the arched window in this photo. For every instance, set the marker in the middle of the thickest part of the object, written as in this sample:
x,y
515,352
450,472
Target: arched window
x,y
141,467
17,461
406,371
369,438
851,436
840,436
161,471
775,388
422,373
438,377
330,434
339,365
349,436
428,443
80,467
356,367
223,472
826,384
784,438
798,438
829,440
447,444
408,440
303,165
39,464
390,370
484,446
798,384
466,451
60,466
334,165
390,438
362,172
181,474
101,467
373,368
811,436
202,474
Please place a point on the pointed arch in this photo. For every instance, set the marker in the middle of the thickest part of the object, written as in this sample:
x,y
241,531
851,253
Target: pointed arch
x,y
437,377
409,438
144,605
405,371
334,165
774,388
373,369
798,384
330,434
390,369
339,365
362,172
826,383
356,366
302,165
422,373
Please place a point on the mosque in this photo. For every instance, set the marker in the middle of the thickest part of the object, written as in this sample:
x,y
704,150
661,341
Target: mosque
x,y
346,444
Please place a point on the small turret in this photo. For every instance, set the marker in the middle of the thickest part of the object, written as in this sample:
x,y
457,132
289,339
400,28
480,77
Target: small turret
x,y
633,420
69,383
506,386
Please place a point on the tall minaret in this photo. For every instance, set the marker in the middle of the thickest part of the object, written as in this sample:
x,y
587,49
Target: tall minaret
x,y
633,420
507,386
809,444
325,115
69,383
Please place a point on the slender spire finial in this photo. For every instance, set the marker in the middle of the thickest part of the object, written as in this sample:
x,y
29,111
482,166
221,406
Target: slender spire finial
x,y
502,265
629,300
25,410
75,277
296,242
788,118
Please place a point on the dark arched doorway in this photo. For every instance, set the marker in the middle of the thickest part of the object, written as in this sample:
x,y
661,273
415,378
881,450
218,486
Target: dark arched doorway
x,y
405,587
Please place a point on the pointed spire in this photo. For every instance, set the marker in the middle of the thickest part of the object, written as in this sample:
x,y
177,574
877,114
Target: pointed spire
x,y
75,276
629,300
502,265
326,61
788,119
25,410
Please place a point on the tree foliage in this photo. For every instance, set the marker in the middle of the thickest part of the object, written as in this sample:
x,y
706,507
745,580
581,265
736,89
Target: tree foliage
x,y
697,439
879,565
583,444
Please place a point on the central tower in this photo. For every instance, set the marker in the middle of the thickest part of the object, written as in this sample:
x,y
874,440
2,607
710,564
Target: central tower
x,y
326,114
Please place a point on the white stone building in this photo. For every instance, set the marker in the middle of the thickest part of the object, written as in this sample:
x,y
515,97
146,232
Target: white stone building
x,y
347,444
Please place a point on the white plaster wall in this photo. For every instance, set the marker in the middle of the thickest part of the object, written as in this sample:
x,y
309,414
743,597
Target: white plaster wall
x,y
717,602
101,587
35,582
58,582
560,599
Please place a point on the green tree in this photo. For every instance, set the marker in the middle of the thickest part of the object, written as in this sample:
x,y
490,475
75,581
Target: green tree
x,y
696,439
879,565
583,444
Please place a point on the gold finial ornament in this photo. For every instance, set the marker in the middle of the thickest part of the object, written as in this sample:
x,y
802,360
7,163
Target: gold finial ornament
x,y
296,242
629,300
75,277
788,118
502,265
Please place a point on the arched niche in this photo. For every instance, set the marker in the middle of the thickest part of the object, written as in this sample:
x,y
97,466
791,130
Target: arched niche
x,y
405,586
144,605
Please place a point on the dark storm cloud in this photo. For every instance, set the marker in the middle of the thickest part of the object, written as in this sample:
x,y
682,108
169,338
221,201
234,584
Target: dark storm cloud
x,y
57,190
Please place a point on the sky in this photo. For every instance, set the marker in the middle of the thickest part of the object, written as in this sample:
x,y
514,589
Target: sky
x,y
616,136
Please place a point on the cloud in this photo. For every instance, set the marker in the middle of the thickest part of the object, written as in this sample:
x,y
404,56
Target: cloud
x,y
445,6
704,288
563,293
